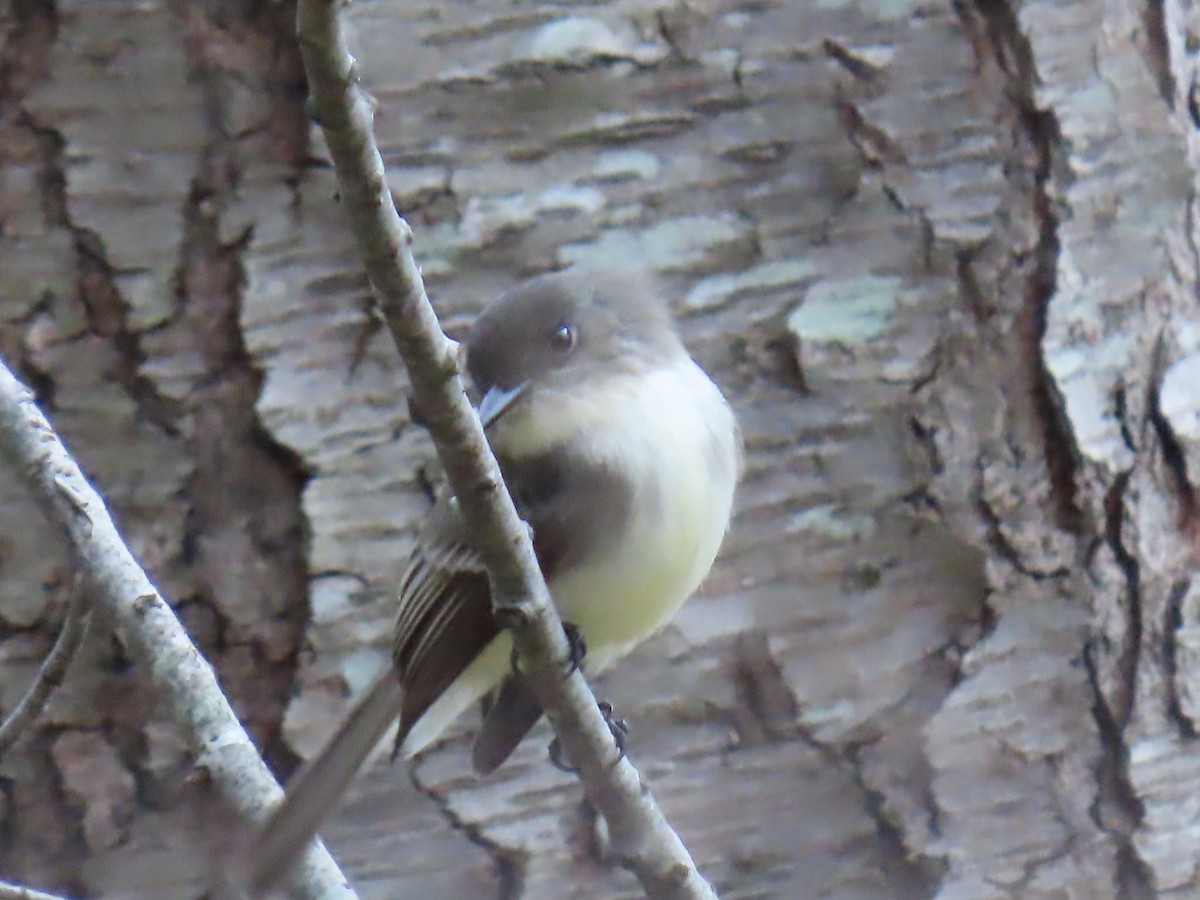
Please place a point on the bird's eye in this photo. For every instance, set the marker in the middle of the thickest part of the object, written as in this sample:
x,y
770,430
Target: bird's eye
x,y
563,337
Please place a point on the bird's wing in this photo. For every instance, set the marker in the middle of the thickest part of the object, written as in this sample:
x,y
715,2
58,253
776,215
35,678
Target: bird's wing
x,y
444,622
445,618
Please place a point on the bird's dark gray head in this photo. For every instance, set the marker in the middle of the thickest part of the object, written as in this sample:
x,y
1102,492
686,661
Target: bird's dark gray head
x,y
558,330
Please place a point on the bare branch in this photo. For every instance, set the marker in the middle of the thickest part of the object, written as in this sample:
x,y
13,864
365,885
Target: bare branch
x,y
54,667
641,836
147,626
17,892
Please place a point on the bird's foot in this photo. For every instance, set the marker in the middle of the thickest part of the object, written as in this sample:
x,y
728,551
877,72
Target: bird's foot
x,y
619,729
576,651
576,647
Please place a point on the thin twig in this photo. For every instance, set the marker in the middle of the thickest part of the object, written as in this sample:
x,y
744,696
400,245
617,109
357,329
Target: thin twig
x,y
642,838
148,627
17,892
54,667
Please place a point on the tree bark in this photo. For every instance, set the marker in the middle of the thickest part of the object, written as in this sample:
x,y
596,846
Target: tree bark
x,y
941,257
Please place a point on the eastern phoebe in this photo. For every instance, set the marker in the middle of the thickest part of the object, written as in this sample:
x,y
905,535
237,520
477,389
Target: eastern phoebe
x,y
622,456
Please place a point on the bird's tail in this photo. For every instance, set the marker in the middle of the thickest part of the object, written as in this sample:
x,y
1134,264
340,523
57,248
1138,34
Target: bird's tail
x,y
311,795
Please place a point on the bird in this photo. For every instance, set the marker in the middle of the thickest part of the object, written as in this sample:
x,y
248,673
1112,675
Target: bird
x,y
621,455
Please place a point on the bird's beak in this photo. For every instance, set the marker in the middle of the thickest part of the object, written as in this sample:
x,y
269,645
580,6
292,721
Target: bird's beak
x,y
497,401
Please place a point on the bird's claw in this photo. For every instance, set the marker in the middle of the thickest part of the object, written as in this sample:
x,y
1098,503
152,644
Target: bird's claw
x,y
576,651
619,729
576,647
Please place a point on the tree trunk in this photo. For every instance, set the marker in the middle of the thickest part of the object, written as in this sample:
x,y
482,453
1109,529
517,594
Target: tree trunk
x,y
941,257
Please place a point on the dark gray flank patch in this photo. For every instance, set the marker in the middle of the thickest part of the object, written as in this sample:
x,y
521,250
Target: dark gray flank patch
x,y
578,509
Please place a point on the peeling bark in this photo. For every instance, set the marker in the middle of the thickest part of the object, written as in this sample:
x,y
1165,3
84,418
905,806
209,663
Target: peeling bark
x,y
941,257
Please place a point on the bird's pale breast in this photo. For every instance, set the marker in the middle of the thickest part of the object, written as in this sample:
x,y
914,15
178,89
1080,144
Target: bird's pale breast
x,y
674,428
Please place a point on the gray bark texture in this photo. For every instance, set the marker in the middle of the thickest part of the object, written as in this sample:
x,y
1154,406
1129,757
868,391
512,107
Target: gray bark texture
x,y
939,257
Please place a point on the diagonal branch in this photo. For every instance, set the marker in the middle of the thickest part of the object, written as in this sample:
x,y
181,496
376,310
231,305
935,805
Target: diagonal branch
x,y
641,836
18,892
53,669
147,625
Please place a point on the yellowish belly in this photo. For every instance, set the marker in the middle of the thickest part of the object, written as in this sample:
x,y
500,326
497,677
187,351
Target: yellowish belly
x,y
652,569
